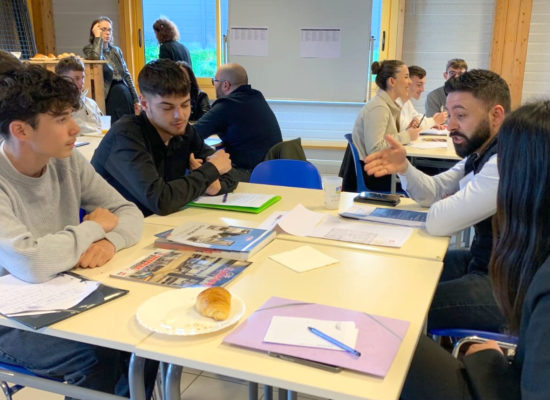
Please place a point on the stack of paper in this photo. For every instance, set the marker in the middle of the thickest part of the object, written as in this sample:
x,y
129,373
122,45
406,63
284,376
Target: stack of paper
x,y
303,222
295,331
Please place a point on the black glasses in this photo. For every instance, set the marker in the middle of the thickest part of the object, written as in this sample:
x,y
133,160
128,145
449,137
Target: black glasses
x,y
214,80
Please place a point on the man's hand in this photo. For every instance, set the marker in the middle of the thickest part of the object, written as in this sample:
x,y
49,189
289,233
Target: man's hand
x,y
440,117
103,217
387,161
221,161
97,254
490,344
194,163
414,132
214,188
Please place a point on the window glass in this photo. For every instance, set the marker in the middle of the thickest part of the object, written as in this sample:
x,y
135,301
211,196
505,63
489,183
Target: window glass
x,y
196,22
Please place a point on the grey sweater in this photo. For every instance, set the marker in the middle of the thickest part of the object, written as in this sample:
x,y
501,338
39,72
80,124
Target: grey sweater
x,y
40,233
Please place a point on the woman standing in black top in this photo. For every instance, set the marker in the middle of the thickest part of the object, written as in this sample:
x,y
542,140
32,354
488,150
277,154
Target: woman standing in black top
x,y
120,93
199,99
167,34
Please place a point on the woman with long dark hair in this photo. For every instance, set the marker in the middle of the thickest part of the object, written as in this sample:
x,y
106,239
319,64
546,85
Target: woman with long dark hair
x,y
520,275
167,35
120,93
199,99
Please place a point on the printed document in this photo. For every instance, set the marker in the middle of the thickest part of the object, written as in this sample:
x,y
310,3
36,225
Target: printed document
x,y
62,292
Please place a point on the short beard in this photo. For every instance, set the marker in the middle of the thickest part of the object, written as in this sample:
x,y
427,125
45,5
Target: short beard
x,y
479,137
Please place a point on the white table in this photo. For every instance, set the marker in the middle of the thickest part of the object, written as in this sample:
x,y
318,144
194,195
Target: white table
x,y
419,245
398,287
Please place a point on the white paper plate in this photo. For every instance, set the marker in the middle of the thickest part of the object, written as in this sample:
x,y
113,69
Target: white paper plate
x,y
173,313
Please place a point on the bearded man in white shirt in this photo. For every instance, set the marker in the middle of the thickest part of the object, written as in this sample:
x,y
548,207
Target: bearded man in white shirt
x,y
461,197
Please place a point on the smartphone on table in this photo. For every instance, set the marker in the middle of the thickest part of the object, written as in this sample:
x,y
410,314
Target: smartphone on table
x,y
378,198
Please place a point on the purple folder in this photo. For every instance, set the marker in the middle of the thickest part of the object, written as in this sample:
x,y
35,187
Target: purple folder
x,y
378,340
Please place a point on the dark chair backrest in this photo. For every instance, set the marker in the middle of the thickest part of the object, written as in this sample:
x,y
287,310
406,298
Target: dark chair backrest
x,y
289,149
294,173
361,187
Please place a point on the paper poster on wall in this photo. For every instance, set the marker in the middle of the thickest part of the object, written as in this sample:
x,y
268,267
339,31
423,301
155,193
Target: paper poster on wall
x,y
248,41
320,42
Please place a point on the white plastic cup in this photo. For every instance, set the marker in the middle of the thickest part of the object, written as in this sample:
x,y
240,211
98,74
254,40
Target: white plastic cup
x,y
105,123
332,188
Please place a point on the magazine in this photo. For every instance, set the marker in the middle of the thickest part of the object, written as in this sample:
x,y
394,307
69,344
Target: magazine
x,y
177,269
416,219
224,241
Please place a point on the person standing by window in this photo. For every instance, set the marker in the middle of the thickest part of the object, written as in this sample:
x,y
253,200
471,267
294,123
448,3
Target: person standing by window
x,y
120,93
167,35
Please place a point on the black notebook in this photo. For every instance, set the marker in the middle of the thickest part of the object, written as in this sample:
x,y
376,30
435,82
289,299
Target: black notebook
x,y
37,317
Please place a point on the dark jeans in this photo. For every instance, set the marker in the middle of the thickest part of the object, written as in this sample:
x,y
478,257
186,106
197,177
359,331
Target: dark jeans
x,y
76,363
435,375
119,101
464,298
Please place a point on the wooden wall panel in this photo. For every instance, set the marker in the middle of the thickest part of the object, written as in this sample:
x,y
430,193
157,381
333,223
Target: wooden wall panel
x,y
509,45
43,25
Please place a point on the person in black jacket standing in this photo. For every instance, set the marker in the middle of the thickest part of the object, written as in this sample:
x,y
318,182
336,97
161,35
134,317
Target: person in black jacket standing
x,y
167,35
120,93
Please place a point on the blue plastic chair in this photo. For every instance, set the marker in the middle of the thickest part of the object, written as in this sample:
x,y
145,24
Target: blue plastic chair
x,y
459,337
282,172
361,187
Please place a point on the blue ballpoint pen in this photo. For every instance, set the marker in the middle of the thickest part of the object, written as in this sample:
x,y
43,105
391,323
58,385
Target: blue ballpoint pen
x,y
224,199
334,341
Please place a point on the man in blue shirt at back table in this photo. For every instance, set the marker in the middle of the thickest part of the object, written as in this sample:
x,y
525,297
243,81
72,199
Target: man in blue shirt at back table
x,y
241,118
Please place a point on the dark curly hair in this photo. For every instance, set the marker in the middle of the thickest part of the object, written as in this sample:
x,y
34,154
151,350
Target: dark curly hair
x,y
163,77
33,90
484,85
8,63
165,30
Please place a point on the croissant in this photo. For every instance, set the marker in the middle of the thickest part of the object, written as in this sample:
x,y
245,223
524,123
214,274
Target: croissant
x,y
214,302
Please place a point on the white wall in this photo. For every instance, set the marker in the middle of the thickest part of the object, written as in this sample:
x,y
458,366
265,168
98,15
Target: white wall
x,y
438,30
73,19
535,83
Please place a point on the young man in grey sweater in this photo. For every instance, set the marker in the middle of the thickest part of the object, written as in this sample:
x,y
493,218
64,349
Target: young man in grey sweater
x,y
43,184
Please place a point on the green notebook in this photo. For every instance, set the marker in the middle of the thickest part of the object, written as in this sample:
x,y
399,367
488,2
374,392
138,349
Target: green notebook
x,y
244,202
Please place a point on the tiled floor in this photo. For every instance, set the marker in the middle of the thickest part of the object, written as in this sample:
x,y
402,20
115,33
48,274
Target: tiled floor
x,y
195,385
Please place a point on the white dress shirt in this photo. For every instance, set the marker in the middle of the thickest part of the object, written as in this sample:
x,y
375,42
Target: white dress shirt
x,y
456,202
408,112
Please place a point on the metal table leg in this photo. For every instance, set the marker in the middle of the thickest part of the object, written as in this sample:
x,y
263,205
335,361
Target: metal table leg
x,y
136,377
172,382
252,391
